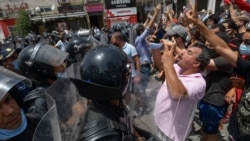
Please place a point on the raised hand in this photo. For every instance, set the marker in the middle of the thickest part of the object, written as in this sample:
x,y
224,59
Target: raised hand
x,y
158,7
167,57
192,15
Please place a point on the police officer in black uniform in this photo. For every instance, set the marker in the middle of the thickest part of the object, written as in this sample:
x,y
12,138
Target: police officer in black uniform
x,y
15,124
105,73
43,64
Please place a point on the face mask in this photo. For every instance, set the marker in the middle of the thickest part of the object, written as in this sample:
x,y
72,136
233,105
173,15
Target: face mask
x,y
15,64
59,75
6,134
244,49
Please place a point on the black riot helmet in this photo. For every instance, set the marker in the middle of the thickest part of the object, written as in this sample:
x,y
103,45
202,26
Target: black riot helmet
x,y
78,46
37,62
105,73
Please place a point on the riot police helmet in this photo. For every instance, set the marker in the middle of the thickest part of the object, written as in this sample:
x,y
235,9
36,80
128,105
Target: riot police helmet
x,y
77,47
105,73
37,62
8,84
69,36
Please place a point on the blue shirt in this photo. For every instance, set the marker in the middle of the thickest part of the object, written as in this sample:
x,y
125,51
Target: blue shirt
x,y
131,52
142,47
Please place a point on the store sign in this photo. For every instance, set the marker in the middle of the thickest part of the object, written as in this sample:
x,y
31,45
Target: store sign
x,y
121,12
14,7
94,7
70,9
111,4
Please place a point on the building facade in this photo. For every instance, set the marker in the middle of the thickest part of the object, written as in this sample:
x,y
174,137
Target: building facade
x,y
45,15
49,15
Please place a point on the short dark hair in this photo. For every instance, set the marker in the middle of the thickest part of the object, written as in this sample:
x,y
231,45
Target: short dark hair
x,y
204,57
220,26
139,29
215,18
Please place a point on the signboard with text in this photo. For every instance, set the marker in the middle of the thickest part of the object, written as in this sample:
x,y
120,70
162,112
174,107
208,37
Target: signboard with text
x,y
121,12
94,7
111,4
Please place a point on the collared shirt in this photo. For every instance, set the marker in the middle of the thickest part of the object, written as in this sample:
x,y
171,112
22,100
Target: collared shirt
x,y
165,107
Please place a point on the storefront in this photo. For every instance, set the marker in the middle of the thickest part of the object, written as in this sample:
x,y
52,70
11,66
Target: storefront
x,y
95,13
8,10
119,11
70,17
6,26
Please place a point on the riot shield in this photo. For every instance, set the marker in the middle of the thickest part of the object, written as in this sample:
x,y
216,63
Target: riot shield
x,y
142,94
65,114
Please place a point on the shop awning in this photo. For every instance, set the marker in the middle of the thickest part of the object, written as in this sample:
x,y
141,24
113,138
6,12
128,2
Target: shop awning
x,y
57,15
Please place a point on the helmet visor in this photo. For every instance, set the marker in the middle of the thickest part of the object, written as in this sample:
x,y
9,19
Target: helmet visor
x,y
50,55
9,79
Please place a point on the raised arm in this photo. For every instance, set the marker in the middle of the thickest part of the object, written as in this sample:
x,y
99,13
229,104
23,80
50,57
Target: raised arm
x,y
232,13
219,45
175,86
156,12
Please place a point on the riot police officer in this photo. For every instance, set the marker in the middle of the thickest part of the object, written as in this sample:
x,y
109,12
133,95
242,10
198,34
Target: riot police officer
x,y
105,73
42,64
15,125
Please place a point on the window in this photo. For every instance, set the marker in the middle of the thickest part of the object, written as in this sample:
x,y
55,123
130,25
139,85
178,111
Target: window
x,y
45,9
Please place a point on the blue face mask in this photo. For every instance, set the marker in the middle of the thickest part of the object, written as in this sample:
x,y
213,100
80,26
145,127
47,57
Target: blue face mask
x,y
6,134
15,64
244,49
60,75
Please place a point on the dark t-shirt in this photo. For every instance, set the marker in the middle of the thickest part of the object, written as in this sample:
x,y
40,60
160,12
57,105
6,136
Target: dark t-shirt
x,y
240,120
218,82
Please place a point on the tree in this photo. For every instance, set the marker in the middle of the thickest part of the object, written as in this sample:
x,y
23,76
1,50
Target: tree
x,y
23,25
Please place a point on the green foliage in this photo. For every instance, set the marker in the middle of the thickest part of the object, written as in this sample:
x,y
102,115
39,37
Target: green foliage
x,y
23,25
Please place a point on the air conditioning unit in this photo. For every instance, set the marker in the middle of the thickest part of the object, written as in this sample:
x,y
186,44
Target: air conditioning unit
x,y
3,14
31,12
